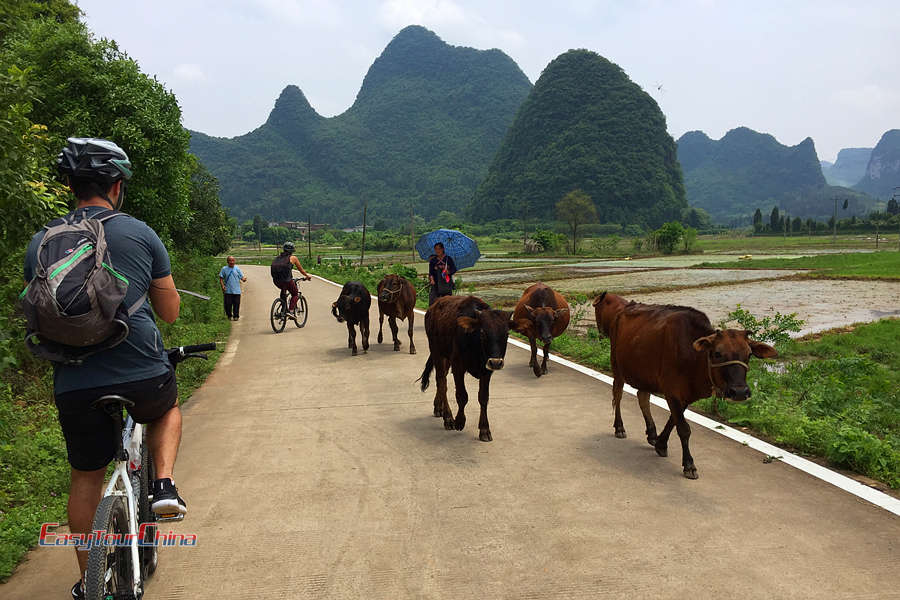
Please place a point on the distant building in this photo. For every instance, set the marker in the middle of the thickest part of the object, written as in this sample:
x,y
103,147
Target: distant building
x,y
356,229
299,226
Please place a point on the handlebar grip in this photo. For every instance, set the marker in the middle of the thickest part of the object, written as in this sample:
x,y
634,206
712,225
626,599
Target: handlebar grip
x,y
199,348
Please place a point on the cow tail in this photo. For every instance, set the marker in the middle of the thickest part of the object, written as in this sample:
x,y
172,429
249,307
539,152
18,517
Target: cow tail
x,y
426,374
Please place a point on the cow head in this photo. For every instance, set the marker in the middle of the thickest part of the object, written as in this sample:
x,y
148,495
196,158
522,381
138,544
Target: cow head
x,y
728,354
606,307
343,305
389,288
493,327
543,318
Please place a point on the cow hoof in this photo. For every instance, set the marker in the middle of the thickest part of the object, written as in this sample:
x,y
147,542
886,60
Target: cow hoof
x,y
396,347
438,412
485,436
662,450
412,350
537,372
691,472
353,352
544,370
620,433
460,423
380,338
651,441
449,425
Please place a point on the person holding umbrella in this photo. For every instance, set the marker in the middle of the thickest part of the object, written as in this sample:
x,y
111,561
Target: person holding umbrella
x,y
440,273
452,250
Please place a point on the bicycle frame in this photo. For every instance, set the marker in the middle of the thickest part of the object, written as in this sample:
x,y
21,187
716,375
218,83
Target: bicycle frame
x,y
120,485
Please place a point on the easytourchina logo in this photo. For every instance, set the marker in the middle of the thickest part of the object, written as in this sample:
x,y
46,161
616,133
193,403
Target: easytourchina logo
x,y
100,537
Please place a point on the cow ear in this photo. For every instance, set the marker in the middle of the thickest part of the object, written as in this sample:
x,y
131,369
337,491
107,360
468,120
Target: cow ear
x,y
357,299
467,324
704,343
599,299
560,311
762,350
529,309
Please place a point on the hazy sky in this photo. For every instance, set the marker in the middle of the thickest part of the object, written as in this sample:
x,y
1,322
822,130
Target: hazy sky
x,y
824,69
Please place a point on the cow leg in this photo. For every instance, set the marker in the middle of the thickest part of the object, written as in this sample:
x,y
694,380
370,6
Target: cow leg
x,y
618,385
684,433
392,323
462,398
484,428
644,403
412,345
364,332
662,442
544,362
381,324
440,397
533,363
351,343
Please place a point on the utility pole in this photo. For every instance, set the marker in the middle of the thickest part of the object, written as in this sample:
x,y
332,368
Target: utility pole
x,y
309,238
412,230
524,227
362,247
896,196
834,235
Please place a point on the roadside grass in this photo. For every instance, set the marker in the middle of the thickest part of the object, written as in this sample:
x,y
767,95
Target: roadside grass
x,y
35,472
861,265
838,397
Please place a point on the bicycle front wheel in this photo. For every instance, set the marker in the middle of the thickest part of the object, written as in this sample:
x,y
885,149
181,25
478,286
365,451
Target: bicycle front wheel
x,y
302,312
109,572
278,315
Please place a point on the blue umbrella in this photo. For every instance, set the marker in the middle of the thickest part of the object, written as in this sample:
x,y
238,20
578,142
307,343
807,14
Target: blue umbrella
x,y
461,248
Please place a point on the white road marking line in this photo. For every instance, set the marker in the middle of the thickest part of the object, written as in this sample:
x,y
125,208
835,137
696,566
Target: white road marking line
x,y
843,482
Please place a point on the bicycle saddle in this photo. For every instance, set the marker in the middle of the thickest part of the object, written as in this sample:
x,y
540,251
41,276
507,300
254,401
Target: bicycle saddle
x,y
111,400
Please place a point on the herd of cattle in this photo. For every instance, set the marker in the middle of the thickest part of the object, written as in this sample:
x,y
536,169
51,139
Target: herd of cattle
x,y
671,351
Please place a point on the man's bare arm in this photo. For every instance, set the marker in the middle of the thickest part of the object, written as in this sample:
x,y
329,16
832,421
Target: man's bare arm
x,y
165,298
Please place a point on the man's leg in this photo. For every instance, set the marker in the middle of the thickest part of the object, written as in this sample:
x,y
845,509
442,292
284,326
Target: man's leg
x,y
295,294
236,309
84,495
164,437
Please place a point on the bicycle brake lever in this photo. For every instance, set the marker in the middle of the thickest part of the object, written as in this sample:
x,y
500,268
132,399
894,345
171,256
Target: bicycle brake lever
x,y
195,355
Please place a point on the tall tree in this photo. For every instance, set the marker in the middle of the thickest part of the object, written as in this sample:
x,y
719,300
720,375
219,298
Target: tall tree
x,y
576,208
774,220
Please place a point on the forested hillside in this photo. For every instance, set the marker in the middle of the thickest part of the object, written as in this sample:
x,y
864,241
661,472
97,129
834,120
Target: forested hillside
x,y
849,167
426,122
585,125
746,170
883,171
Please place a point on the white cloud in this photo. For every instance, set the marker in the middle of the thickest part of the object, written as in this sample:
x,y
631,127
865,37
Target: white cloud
x,y
303,12
869,97
396,14
189,73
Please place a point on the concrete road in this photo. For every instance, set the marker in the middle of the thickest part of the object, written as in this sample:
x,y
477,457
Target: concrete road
x,y
309,473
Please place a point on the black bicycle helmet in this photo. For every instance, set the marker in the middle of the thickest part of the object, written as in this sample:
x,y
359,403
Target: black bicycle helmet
x,y
288,247
95,159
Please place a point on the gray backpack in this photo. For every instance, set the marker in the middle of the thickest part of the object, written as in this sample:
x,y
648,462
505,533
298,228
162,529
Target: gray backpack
x,y
74,305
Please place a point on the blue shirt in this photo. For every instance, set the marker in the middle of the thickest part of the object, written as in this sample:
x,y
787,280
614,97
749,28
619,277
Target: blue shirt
x,y
232,277
137,253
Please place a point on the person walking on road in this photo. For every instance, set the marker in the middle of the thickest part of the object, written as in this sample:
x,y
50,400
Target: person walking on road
x,y
230,279
440,274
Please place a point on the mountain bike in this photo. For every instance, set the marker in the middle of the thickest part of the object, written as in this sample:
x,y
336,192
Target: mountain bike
x,y
119,569
279,313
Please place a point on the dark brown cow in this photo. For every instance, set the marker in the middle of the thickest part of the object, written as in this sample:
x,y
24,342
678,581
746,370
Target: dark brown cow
x,y
465,335
352,306
547,313
397,300
675,352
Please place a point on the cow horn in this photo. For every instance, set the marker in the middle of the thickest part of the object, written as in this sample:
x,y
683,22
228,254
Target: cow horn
x,y
529,309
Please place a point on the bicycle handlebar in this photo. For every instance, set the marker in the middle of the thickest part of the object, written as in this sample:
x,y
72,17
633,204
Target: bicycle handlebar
x,y
176,355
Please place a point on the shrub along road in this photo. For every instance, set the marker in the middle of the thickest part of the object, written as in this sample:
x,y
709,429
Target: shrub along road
x,y
309,473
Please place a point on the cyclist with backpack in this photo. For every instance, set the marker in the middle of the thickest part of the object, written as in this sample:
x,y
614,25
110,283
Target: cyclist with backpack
x,y
90,275
281,269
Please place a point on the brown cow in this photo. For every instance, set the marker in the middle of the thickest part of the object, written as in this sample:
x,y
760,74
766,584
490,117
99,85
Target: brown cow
x,y
465,335
547,313
675,352
397,300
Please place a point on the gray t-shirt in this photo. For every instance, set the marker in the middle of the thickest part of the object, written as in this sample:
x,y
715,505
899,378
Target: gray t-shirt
x,y
137,253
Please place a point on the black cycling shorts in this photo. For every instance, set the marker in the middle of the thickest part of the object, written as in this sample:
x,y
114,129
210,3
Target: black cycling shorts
x,y
90,433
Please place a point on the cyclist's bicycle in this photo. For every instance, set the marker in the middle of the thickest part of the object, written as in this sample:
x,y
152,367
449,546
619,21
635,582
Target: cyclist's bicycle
x,y
279,314
120,569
